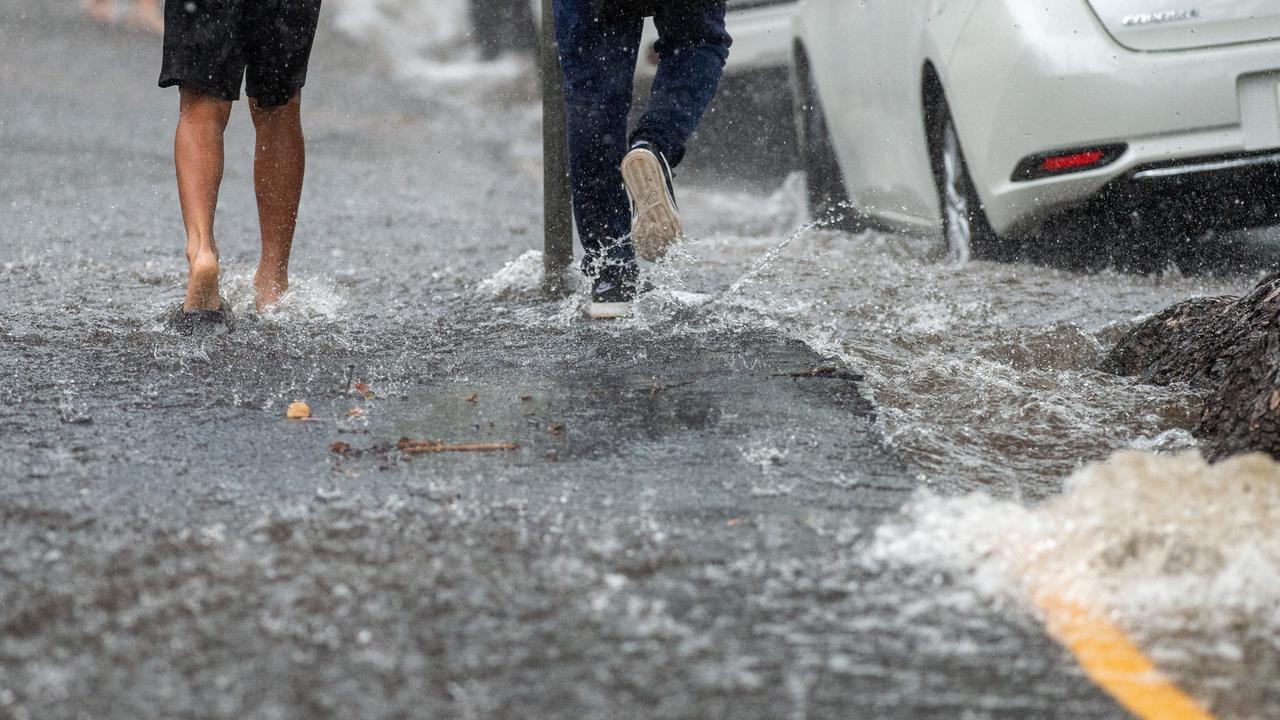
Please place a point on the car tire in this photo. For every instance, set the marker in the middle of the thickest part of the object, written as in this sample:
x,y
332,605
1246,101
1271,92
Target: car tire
x,y
966,231
825,192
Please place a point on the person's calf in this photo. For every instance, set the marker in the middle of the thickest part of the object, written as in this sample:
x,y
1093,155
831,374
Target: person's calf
x,y
279,167
198,156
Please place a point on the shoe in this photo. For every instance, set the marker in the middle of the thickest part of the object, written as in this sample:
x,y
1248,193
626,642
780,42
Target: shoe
x,y
611,299
655,217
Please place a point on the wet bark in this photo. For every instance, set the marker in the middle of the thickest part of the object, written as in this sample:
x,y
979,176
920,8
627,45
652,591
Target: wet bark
x,y
1228,347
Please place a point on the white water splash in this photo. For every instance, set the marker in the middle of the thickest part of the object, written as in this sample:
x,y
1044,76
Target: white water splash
x,y
1183,554
521,276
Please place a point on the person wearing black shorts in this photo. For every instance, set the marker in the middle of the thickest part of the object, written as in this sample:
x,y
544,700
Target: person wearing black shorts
x,y
211,47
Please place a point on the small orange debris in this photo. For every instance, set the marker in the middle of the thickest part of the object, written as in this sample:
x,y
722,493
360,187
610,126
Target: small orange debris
x,y
365,391
298,410
473,397
355,413
340,448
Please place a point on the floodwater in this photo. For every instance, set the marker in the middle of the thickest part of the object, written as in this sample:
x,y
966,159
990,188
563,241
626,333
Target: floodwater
x,y
382,588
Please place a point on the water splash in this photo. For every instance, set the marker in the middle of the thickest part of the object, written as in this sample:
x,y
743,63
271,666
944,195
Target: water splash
x,y
1180,553
520,277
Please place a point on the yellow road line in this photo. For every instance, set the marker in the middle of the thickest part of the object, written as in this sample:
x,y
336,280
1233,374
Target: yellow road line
x,y
1114,663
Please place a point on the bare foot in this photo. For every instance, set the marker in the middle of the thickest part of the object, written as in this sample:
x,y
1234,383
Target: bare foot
x,y
102,12
202,284
268,289
146,16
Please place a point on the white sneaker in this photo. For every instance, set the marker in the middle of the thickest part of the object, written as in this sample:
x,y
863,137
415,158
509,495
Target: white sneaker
x,y
610,300
655,218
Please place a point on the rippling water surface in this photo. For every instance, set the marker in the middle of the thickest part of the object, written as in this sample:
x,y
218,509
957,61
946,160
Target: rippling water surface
x,y
982,376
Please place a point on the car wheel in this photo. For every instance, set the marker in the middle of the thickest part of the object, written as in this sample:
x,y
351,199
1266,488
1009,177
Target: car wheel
x,y
965,228
829,203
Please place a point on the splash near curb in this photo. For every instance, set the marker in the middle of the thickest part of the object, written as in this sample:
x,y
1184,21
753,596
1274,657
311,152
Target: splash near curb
x,y
1114,663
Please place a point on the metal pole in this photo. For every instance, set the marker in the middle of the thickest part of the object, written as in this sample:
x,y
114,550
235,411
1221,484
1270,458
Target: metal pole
x,y
557,204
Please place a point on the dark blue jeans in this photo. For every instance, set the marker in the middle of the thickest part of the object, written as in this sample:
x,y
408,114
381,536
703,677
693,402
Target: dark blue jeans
x,y
598,55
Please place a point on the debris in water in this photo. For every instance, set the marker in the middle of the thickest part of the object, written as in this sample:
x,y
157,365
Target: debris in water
x,y
298,410
473,397
424,447
556,429
355,413
366,392
340,448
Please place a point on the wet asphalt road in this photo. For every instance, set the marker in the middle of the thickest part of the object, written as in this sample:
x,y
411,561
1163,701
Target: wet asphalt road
x,y
171,546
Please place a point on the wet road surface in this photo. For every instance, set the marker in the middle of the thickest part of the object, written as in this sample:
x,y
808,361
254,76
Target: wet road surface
x,y
713,510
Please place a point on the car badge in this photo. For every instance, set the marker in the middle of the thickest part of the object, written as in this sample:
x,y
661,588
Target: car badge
x,y
1163,17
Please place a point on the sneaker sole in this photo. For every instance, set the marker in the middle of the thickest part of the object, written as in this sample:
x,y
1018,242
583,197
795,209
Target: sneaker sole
x,y
608,311
656,225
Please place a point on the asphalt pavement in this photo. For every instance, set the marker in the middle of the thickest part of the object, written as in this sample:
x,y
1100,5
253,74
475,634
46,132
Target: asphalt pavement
x,y
674,533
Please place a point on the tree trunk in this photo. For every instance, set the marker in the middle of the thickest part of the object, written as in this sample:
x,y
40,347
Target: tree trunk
x,y
1225,346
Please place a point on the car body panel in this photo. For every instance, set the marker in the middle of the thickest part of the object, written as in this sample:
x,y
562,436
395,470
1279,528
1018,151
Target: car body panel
x,y
1159,25
1021,79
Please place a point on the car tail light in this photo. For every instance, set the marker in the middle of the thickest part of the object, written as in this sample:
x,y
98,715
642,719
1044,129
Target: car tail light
x,y
1085,159
1064,162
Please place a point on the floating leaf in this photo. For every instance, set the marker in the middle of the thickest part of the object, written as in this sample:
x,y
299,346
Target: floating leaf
x,y
298,410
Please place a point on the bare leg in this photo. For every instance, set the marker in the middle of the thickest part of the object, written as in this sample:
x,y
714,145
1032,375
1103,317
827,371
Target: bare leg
x,y
278,166
197,152
101,11
147,15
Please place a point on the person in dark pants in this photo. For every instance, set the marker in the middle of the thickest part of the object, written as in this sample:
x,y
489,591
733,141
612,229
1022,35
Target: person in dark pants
x,y
624,202
211,47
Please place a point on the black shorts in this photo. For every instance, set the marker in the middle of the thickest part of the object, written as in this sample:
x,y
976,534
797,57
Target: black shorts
x,y
213,45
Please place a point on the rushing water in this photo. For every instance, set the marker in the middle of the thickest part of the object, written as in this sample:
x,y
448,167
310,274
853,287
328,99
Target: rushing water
x,y
982,376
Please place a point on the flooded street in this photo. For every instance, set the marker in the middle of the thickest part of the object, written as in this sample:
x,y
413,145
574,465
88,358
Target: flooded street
x,y
817,475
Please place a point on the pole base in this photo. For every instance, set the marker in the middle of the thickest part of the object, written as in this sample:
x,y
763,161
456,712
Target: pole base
x,y
558,283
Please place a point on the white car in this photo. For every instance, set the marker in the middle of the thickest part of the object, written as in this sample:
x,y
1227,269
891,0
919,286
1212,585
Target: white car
x,y
989,118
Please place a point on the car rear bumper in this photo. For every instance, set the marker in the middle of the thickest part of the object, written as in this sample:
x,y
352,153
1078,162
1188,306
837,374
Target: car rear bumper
x,y
1049,90
1194,195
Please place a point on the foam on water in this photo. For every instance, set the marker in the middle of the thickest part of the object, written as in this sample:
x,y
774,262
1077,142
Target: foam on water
x,y
1182,554
521,276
